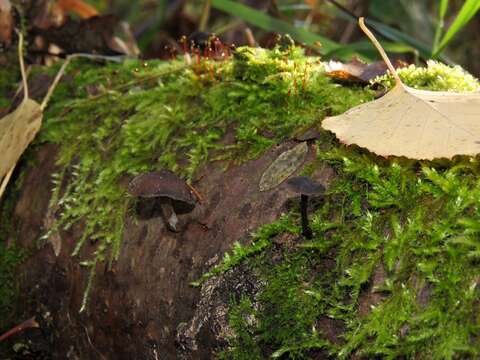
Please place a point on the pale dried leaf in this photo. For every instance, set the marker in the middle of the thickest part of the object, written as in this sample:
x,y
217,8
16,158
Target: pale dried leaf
x,y
17,131
283,166
417,124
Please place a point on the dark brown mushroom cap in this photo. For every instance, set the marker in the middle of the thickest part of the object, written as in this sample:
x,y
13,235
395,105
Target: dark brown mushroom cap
x,y
164,184
305,186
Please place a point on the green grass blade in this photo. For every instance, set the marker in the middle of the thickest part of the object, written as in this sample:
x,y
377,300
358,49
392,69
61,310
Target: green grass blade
x,y
395,35
468,10
266,22
399,36
442,11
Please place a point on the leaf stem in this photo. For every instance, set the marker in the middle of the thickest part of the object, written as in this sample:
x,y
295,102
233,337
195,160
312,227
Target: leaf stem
x,y
22,65
379,47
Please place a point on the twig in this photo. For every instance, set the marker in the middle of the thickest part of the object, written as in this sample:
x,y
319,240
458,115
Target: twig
x,y
250,38
63,68
5,180
379,47
27,324
196,192
22,65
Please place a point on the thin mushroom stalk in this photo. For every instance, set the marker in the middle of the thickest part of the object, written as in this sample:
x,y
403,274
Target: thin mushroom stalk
x,y
306,231
305,187
169,215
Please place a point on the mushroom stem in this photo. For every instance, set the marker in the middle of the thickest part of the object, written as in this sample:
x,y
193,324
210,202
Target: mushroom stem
x,y
169,215
306,231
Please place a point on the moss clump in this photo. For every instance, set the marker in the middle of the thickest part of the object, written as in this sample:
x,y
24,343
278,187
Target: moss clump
x,y
436,76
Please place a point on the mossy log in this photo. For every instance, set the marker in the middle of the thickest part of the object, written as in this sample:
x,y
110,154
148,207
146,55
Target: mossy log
x,y
391,271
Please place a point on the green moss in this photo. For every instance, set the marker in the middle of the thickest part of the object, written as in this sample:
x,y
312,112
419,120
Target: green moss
x,y
9,77
436,76
10,257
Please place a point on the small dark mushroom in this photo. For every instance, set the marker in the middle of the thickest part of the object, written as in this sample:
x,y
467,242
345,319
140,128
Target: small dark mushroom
x,y
201,40
306,187
168,191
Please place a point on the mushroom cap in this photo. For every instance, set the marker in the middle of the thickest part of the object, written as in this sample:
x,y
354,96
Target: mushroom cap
x,y
164,185
200,39
305,186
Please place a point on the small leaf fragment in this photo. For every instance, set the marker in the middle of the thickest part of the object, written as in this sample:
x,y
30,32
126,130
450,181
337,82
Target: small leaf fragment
x,y
283,166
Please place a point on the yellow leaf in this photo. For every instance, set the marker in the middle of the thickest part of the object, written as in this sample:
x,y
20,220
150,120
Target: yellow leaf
x,y
417,124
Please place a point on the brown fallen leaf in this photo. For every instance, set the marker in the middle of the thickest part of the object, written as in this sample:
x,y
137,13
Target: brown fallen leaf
x,y
95,35
78,7
18,128
54,13
283,166
417,124
6,22
356,71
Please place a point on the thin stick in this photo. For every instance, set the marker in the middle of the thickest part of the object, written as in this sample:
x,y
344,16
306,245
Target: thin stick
x,y
55,82
27,324
5,180
22,65
61,72
20,87
379,47
196,192
250,38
